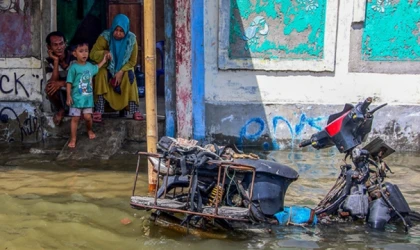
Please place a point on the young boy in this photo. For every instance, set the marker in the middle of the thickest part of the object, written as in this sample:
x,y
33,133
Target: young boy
x,y
80,91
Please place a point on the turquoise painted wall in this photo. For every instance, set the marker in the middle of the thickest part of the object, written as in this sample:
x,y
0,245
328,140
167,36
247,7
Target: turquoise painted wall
x,y
277,29
391,31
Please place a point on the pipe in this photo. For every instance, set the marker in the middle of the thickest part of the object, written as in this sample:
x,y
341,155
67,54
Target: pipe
x,y
150,74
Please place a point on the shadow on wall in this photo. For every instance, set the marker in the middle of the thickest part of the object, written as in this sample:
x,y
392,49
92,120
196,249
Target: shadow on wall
x,y
255,34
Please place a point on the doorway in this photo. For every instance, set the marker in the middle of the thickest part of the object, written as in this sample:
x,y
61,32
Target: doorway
x,y
88,18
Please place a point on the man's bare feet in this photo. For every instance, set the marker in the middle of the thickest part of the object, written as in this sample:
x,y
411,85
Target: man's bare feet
x,y
91,134
72,143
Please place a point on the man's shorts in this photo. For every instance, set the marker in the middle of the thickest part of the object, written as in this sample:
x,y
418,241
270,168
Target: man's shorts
x,y
78,112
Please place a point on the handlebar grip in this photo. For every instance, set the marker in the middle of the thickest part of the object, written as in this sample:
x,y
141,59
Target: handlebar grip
x,y
305,143
365,105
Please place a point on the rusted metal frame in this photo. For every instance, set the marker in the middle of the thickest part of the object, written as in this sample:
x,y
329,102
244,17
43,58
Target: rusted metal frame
x,y
223,185
157,179
217,186
252,188
222,164
189,188
150,154
137,174
168,164
187,212
237,166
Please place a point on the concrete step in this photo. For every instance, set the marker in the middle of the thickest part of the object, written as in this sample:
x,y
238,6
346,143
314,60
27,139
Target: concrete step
x,y
110,134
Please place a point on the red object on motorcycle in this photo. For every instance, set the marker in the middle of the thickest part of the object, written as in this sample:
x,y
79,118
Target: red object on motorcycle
x,y
335,126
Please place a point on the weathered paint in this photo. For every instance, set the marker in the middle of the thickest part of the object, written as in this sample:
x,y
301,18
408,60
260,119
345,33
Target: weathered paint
x,y
20,68
197,47
15,29
183,67
277,29
277,35
170,88
391,31
286,127
265,108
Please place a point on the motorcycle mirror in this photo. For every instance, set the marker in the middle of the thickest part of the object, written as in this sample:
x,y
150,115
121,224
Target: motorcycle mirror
x,y
377,108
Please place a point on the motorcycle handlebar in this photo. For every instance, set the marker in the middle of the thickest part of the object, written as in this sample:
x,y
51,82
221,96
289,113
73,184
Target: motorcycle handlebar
x,y
365,105
305,143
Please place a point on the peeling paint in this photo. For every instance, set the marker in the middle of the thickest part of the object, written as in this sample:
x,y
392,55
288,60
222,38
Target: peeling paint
x,y
18,28
183,67
391,32
277,29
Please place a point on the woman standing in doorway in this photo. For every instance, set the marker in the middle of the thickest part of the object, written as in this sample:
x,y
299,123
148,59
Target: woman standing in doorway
x,y
115,81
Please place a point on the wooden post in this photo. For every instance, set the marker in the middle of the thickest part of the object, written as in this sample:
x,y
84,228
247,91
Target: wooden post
x,y
150,74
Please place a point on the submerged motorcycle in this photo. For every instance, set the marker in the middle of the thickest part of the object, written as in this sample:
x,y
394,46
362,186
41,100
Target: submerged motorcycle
x,y
212,188
360,192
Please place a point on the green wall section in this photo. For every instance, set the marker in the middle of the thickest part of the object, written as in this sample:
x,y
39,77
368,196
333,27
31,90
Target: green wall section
x,y
67,16
277,29
70,15
391,31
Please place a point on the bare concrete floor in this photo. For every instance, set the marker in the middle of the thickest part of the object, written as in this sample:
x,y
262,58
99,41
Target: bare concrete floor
x,y
111,134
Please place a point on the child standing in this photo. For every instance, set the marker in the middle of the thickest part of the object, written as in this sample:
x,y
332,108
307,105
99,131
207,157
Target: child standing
x,y
80,91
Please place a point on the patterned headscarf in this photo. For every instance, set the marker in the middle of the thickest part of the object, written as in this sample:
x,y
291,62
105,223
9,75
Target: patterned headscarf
x,y
120,49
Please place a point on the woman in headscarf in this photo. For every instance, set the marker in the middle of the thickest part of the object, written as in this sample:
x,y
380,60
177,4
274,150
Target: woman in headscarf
x,y
115,81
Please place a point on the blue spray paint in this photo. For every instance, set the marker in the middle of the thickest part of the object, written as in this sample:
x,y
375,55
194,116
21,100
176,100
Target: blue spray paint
x,y
254,136
276,119
312,122
298,128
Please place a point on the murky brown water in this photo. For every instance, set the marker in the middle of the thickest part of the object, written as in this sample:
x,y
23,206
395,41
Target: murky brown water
x,y
72,205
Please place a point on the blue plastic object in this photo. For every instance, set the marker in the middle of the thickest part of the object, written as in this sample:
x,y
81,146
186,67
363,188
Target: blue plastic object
x,y
295,215
140,81
160,47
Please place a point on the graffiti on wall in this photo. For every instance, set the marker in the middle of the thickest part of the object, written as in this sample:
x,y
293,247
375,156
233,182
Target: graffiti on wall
x,y
16,85
255,129
24,127
16,26
280,29
392,31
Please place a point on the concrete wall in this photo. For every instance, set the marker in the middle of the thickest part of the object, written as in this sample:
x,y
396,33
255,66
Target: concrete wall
x,y
269,98
21,74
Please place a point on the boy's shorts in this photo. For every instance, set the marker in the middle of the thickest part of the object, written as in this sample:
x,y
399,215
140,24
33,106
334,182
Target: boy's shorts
x,y
78,112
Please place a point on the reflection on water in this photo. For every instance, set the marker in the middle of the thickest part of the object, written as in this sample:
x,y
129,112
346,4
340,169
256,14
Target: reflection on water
x,y
74,205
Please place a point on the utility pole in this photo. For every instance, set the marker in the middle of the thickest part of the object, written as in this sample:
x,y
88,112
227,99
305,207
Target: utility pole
x,y
150,75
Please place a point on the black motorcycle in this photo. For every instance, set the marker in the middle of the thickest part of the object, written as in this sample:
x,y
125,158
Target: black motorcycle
x,y
212,188
360,192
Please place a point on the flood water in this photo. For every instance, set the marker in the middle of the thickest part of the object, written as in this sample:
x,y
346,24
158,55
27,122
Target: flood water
x,y
82,205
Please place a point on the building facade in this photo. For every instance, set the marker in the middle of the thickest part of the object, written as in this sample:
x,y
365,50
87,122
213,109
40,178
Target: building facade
x,y
253,72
